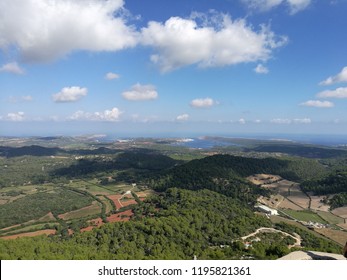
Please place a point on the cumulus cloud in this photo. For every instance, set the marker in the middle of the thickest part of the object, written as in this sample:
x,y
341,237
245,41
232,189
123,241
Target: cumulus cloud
x,y
112,115
318,104
111,76
266,5
12,67
140,92
14,117
183,117
261,69
340,92
48,29
339,78
202,102
208,41
70,94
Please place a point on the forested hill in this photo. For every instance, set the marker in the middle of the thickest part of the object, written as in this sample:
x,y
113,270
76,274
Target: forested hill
x,y
226,174
201,223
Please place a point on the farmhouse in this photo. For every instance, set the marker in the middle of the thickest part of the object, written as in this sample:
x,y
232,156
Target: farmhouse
x,y
266,209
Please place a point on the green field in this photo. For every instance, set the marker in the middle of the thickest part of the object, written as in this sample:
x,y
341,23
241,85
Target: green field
x,y
330,218
37,205
90,210
304,215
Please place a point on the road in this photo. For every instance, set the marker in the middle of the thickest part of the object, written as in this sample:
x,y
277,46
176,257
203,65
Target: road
x,y
296,237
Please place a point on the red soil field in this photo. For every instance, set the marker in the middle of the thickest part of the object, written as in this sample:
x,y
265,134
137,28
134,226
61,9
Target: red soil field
x,y
117,217
93,223
128,202
115,198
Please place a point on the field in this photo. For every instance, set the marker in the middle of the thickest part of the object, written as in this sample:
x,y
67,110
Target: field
x,y
341,211
286,204
89,210
304,215
317,204
31,234
336,235
298,197
330,218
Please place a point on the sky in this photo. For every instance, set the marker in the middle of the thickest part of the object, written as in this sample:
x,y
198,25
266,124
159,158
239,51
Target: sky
x,y
173,68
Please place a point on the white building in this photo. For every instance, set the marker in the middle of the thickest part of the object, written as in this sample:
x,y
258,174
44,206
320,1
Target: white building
x,y
267,210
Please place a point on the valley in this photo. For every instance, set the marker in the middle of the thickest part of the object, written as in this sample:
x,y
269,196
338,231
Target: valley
x,y
61,192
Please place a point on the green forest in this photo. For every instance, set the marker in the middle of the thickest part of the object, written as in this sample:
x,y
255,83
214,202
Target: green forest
x,y
200,206
200,223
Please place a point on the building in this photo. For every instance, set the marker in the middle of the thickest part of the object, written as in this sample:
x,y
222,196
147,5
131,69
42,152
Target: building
x,y
267,210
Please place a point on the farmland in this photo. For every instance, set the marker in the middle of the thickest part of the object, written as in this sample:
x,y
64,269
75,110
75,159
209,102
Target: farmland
x,y
72,193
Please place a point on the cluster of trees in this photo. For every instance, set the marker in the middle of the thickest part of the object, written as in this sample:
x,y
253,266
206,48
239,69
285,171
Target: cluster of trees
x,y
331,184
225,174
310,241
338,200
138,160
335,183
177,224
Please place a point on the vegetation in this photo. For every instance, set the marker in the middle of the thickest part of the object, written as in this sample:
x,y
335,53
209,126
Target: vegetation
x,y
201,206
37,205
311,241
307,151
335,183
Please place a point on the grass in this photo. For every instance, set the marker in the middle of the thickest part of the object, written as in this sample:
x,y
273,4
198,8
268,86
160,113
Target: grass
x,y
278,219
108,204
304,215
90,210
330,218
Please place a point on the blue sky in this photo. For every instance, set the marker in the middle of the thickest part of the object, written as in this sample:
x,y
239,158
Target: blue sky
x,y
177,68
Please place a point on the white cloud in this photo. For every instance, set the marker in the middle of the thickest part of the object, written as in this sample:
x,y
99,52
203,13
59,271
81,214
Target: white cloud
x,y
217,41
336,93
12,67
318,104
339,78
298,5
112,115
261,69
16,99
48,29
257,121
111,76
262,5
303,121
289,121
266,5
140,92
281,121
15,117
242,121
183,117
70,94
203,103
